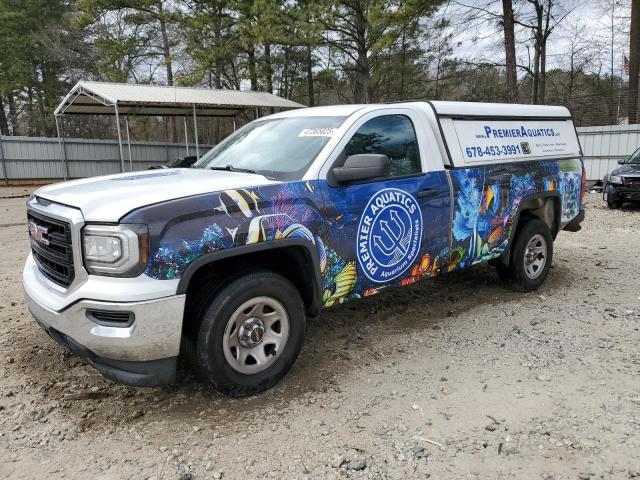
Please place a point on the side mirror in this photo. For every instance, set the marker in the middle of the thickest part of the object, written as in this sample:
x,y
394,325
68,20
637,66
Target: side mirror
x,y
363,167
621,161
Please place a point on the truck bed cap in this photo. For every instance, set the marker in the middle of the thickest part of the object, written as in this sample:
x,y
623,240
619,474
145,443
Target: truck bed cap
x,y
477,109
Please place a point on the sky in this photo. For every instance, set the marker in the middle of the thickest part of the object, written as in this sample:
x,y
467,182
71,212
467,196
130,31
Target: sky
x,y
586,27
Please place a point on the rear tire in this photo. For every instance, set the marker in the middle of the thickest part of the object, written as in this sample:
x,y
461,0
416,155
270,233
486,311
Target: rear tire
x,y
249,333
530,258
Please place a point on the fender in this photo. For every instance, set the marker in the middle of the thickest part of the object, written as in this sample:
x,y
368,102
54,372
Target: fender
x,y
557,214
213,257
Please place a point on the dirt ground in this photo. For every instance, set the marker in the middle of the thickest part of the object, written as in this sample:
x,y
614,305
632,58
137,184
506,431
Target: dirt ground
x,y
451,378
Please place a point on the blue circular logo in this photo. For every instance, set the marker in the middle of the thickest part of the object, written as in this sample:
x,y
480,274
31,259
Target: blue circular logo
x,y
389,234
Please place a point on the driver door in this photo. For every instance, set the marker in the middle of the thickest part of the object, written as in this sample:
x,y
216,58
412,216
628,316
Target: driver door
x,y
384,231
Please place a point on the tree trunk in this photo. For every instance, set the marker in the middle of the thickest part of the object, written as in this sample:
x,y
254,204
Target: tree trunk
x,y
253,75
285,74
403,60
268,70
543,73
166,50
634,62
510,51
536,74
361,93
310,76
13,114
4,124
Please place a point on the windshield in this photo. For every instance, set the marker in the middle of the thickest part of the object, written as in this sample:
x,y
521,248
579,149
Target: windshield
x,y
280,148
634,158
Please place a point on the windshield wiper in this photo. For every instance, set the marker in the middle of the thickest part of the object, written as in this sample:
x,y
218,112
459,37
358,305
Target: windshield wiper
x,y
231,168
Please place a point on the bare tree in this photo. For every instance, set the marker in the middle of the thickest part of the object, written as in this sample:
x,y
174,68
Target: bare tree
x,y
542,23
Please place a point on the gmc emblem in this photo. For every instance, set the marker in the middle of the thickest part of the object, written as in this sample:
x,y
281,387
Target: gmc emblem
x,y
37,233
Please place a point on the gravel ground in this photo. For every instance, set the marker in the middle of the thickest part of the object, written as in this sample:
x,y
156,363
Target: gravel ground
x,y
451,378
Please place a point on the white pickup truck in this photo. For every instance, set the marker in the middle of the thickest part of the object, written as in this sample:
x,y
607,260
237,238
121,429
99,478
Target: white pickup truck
x,y
292,213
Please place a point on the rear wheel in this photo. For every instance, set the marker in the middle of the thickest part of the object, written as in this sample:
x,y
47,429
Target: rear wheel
x,y
530,258
250,333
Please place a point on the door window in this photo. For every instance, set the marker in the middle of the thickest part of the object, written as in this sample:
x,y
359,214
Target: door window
x,y
393,136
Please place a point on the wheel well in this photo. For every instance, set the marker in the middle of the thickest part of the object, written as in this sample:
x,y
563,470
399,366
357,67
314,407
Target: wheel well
x,y
546,209
295,263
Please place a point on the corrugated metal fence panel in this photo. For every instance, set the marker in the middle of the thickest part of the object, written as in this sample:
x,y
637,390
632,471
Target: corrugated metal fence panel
x,y
604,146
40,158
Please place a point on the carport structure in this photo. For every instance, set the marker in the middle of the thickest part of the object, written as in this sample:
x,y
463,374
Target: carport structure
x,y
123,99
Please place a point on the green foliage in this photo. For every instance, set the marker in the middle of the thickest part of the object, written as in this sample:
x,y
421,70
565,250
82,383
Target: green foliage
x,y
314,52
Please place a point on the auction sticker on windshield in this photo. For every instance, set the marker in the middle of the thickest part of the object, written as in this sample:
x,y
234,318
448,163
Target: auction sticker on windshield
x,y
317,132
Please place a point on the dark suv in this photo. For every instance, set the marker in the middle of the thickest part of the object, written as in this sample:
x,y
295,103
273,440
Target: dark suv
x,y
623,184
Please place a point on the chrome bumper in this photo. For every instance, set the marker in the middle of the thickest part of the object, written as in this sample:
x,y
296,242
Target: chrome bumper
x,y
154,334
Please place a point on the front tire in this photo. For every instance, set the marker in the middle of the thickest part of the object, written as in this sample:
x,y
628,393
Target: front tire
x,y
613,202
250,334
531,256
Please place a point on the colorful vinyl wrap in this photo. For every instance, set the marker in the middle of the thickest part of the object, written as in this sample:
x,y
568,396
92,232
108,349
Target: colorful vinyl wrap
x,y
367,236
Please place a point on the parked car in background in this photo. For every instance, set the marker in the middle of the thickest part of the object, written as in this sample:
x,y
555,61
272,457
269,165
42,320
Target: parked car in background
x,y
623,184
182,162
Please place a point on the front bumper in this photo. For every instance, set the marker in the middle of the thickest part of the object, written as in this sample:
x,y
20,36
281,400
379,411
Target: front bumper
x,y
574,224
622,193
142,353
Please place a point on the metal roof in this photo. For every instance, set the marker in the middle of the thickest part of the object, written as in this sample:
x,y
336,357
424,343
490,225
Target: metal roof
x,y
101,97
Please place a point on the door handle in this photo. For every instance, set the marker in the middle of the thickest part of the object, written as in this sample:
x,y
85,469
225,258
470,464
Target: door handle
x,y
429,192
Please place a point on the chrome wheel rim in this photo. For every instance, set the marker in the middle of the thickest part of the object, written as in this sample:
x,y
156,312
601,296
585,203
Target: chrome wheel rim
x,y
255,335
535,256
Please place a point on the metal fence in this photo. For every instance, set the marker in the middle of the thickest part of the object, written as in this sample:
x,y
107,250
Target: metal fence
x,y
604,146
39,158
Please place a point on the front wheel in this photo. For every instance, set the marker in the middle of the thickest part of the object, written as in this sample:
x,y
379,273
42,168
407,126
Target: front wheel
x,y
531,256
250,333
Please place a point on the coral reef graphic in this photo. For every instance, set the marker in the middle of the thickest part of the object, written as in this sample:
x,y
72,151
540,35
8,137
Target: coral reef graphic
x,y
485,202
485,207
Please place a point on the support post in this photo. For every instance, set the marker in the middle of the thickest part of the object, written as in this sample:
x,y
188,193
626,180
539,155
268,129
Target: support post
x,y
234,124
119,138
186,135
195,128
4,165
126,121
63,148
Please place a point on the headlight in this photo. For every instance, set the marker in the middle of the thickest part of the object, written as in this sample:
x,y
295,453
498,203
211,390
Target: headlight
x,y
115,250
615,179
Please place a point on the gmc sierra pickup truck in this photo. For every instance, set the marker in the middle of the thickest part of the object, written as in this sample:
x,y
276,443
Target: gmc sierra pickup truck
x,y
295,212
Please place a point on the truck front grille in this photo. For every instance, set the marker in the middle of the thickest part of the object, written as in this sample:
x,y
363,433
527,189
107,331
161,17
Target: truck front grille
x,y
52,247
632,182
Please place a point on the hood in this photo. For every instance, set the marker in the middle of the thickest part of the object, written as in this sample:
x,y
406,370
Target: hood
x,y
628,169
109,198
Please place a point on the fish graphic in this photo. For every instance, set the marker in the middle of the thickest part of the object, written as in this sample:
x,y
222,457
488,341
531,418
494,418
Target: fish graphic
x,y
300,231
344,282
495,236
243,200
487,199
322,254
